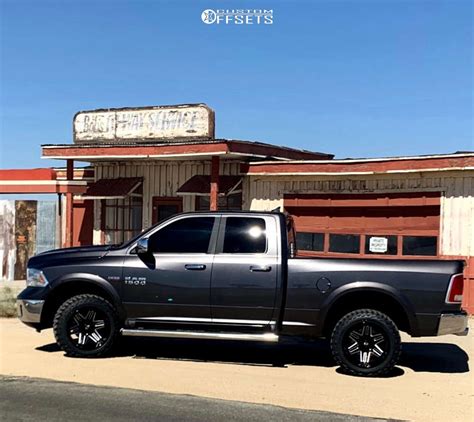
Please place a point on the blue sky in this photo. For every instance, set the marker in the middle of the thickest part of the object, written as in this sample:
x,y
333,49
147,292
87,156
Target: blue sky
x,y
354,78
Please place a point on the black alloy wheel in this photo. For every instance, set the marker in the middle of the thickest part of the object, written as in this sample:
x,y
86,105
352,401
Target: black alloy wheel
x,y
366,342
86,326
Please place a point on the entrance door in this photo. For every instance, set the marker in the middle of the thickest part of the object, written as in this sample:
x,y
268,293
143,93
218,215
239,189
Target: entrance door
x,y
165,207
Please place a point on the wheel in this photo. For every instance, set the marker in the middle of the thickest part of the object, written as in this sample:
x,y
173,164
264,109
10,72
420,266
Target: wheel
x,y
86,326
366,342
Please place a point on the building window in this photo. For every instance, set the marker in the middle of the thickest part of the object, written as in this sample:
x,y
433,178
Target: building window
x,y
226,203
373,245
310,241
245,235
121,219
380,244
420,245
344,243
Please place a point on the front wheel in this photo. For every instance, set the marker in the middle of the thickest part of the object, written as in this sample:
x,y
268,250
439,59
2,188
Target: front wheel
x,y
366,342
86,326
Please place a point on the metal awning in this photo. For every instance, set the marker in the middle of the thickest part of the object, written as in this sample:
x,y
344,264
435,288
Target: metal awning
x,y
201,185
118,188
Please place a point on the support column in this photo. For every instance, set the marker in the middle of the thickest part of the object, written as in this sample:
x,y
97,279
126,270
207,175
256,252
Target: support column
x,y
214,200
59,223
69,206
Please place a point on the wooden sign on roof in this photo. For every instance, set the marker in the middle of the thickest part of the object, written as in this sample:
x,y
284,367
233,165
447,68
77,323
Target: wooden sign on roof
x,y
162,123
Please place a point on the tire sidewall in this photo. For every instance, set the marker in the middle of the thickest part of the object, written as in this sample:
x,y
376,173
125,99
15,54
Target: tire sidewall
x,y
66,312
378,319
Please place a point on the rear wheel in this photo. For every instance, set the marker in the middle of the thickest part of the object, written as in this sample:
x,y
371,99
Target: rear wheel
x,y
86,326
366,342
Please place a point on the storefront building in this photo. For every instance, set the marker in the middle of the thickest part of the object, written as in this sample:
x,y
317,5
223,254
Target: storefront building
x,y
148,164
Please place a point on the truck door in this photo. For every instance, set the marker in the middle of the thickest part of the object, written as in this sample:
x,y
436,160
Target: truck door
x,y
245,271
172,282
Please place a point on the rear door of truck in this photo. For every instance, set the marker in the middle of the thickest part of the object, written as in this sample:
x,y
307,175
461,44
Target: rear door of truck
x,y
246,270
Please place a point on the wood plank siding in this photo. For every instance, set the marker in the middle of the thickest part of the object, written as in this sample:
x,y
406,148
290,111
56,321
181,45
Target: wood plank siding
x,y
160,178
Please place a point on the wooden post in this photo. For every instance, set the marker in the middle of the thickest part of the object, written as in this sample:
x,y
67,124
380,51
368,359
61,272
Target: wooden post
x,y
59,222
214,200
69,206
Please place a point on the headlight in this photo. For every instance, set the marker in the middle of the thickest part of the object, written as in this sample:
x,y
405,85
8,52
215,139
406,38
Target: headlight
x,y
35,278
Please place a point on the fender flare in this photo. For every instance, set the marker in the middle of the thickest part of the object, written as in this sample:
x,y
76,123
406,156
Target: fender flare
x,y
93,280
370,286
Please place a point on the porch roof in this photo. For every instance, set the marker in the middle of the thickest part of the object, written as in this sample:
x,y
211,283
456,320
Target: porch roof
x,y
186,149
112,188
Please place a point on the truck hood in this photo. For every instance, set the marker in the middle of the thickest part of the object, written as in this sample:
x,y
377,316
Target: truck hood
x,y
86,252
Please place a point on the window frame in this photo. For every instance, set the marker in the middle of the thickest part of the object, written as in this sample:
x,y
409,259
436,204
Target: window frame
x,y
270,241
212,241
363,236
122,212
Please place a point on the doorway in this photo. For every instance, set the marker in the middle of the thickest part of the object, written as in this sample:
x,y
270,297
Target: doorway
x,y
165,207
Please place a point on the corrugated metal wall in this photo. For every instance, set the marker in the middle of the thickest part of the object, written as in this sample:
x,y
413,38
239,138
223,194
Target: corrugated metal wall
x,y
457,203
161,178
46,226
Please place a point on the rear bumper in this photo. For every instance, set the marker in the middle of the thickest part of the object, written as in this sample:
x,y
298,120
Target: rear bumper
x,y
29,311
453,324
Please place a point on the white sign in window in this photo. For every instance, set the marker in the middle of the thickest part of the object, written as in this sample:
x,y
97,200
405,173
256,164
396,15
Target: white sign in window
x,y
378,244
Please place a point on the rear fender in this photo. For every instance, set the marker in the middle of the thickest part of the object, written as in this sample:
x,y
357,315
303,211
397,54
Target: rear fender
x,y
370,286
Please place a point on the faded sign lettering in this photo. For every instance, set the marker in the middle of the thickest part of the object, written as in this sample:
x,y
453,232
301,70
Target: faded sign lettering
x,y
144,124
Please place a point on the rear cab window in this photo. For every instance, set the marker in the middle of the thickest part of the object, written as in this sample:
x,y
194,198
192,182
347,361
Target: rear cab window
x,y
245,235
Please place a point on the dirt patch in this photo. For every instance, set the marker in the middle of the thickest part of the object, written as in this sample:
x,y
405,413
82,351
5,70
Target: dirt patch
x,y
433,381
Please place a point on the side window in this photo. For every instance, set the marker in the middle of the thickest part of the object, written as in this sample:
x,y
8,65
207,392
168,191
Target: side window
x,y
189,235
245,235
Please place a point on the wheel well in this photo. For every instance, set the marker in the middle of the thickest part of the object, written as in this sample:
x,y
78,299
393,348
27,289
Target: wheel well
x,y
367,300
64,292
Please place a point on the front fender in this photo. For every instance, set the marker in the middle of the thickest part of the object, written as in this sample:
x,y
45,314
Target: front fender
x,y
91,279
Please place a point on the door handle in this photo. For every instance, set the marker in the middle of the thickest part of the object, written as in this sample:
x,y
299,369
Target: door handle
x,y
195,267
260,269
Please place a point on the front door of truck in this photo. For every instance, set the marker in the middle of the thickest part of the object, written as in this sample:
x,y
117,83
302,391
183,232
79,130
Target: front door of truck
x,y
246,270
172,282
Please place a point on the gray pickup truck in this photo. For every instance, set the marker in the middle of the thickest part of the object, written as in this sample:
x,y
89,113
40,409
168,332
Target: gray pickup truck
x,y
236,276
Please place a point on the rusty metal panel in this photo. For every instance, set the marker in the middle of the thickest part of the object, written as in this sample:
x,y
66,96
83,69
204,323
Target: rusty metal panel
x,y
46,226
7,240
25,235
144,124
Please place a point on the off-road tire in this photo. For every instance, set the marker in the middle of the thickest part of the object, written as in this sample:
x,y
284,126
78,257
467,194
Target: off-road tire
x,y
62,321
383,324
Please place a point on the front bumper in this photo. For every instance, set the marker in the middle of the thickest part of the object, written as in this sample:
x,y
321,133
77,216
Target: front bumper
x,y
453,324
29,310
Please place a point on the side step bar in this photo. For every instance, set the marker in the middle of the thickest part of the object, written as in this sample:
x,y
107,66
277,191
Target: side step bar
x,y
267,337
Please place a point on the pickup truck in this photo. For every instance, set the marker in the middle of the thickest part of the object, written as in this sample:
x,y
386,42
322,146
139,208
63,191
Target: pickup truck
x,y
237,276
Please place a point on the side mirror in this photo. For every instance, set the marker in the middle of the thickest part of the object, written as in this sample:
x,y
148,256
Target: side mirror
x,y
142,246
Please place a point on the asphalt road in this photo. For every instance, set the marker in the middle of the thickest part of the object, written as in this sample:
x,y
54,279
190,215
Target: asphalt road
x,y
26,399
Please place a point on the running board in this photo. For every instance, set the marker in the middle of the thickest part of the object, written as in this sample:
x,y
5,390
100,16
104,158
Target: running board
x,y
267,337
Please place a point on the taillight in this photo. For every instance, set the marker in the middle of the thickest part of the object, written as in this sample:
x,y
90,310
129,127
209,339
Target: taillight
x,y
456,286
